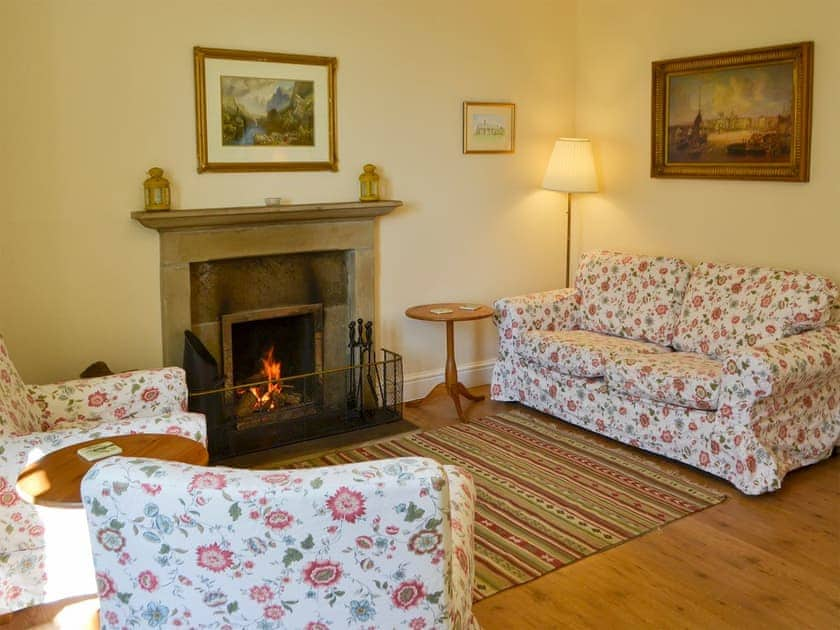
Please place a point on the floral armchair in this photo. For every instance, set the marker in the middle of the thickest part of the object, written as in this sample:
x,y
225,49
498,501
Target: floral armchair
x,y
379,544
38,419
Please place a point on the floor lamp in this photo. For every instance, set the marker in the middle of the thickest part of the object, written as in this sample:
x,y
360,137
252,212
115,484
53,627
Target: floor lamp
x,y
570,170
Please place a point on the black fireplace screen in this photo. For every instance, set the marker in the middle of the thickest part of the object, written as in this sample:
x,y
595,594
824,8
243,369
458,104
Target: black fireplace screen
x,y
321,402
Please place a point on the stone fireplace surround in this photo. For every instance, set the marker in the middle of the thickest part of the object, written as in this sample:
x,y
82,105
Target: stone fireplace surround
x,y
189,238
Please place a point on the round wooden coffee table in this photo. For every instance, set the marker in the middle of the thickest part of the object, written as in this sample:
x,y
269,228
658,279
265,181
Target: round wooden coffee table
x,y
55,479
452,385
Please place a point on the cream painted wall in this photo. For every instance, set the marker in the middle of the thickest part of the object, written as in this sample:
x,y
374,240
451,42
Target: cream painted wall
x,y
793,225
98,91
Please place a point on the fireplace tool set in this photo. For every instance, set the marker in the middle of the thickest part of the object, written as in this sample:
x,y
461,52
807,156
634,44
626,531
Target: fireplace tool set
x,y
364,370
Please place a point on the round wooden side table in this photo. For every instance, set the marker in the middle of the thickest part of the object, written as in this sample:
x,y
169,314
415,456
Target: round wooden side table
x,y
55,479
449,312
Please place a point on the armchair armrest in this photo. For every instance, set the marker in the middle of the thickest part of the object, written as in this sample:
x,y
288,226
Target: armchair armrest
x,y
462,562
782,366
548,310
117,397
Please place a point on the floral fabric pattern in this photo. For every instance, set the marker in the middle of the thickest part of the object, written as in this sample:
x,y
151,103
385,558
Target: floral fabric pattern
x,y
137,394
636,297
378,544
768,405
579,352
729,308
17,412
677,378
24,579
753,446
782,366
548,311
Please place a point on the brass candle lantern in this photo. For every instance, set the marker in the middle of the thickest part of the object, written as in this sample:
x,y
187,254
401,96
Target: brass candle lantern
x,y
369,184
156,190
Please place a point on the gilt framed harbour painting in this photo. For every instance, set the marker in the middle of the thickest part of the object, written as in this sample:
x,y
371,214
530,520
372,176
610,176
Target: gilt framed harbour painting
x,y
736,115
489,127
261,111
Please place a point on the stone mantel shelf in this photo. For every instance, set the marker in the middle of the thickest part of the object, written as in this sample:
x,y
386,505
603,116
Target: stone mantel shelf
x,y
164,221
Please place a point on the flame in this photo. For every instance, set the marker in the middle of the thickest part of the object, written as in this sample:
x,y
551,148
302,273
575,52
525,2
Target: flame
x,y
271,370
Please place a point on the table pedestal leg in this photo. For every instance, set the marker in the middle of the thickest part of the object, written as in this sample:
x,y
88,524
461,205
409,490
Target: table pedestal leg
x,y
452,385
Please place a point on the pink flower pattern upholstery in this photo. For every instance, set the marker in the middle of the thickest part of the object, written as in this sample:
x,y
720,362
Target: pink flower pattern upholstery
x,y
677,378
579,352
17,413
731,308
124,396
66,410
549,311
776,406
782,366
636,297
383,544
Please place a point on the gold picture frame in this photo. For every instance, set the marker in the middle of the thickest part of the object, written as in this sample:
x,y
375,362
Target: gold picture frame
x,y
263,111
489,127
744,114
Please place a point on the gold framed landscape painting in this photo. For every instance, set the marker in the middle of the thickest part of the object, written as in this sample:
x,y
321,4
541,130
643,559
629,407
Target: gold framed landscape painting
x,y
738,115
262,111
489,127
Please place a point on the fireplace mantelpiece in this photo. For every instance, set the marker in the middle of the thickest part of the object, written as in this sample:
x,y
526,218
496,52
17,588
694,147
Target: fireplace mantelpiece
x,y
200,235
253,215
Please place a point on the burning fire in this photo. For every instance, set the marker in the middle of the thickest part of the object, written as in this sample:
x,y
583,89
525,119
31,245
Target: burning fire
x,y
266,395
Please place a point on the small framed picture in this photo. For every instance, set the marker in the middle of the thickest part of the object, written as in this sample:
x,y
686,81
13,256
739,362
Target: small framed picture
x,y
489,127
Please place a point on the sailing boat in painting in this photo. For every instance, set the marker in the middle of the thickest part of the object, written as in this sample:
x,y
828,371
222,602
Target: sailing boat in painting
x,y
692,141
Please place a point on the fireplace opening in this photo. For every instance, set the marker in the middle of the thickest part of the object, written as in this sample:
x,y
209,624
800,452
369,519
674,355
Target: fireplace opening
x,y
260,347
363,393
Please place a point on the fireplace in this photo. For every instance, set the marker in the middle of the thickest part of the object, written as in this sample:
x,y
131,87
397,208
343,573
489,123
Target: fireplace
x,y
266,294
262,346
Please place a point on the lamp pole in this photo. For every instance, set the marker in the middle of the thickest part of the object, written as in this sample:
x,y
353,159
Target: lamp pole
x,y
568,239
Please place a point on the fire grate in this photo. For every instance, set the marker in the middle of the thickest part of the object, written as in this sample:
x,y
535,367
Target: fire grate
x,y
366,394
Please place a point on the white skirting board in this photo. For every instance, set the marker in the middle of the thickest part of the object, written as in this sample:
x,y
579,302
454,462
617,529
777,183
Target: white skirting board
x,y
418,384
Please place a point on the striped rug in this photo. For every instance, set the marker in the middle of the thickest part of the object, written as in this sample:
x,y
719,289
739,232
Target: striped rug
x,y
545,498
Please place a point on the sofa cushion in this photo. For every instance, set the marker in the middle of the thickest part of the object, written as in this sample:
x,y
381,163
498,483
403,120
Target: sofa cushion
x,y
638,297
679,378
579,352
18,414
730,308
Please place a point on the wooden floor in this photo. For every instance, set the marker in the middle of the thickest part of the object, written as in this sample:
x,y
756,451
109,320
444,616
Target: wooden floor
x,y
751,562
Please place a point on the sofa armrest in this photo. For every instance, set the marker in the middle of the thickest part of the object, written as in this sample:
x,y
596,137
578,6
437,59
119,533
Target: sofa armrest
x,y
116,397
548,310
782,366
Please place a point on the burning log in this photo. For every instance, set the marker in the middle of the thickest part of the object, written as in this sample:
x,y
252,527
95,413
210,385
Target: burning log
x,y
247,404
263,393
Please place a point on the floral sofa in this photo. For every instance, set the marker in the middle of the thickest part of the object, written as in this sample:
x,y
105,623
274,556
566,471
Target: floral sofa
x,y
733,370
36,420
380,544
